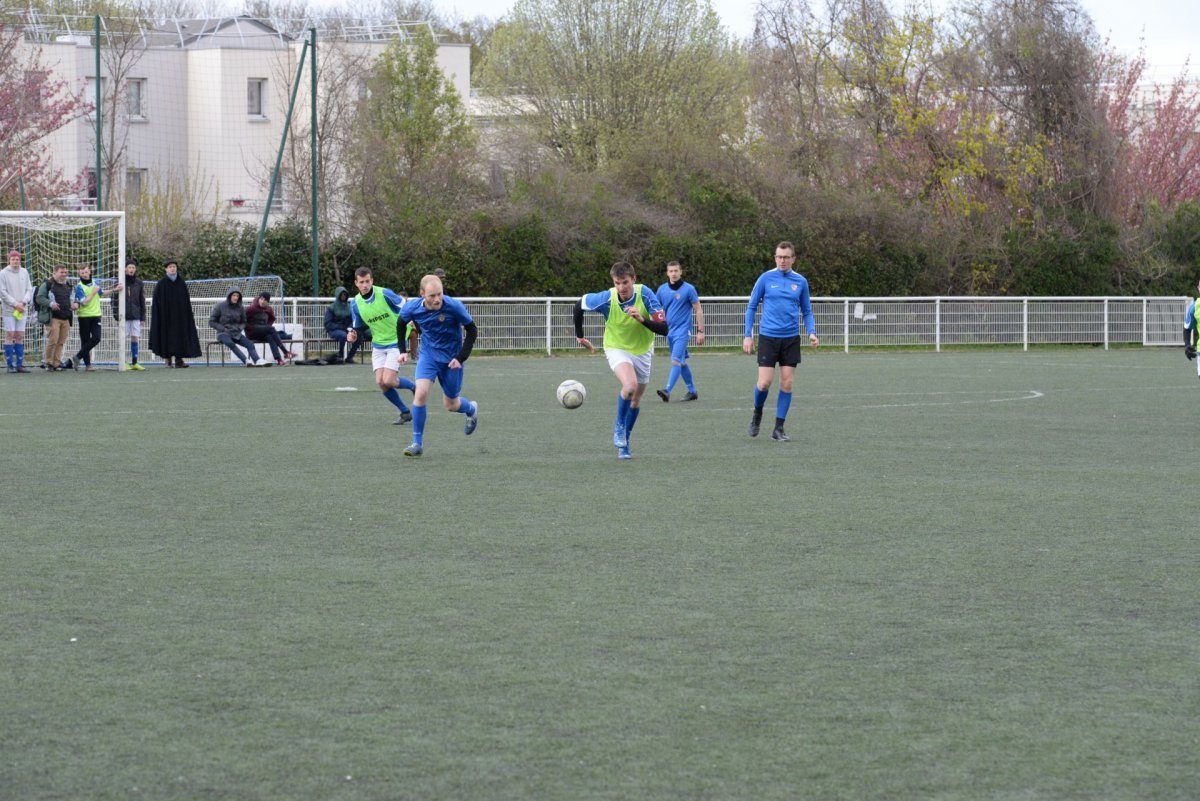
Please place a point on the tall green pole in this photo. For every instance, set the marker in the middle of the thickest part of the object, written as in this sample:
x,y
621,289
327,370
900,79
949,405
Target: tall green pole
x,y
99,124
287,124
316,252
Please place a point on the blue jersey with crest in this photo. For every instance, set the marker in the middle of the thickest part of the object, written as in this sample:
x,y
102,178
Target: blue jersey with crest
x,y
677,303
441,329
784,299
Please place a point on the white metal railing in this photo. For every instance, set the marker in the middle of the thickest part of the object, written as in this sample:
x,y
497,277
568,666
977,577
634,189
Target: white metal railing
x,y
543,324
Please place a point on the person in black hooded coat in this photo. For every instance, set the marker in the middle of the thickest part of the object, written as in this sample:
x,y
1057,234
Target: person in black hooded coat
x,y
173,333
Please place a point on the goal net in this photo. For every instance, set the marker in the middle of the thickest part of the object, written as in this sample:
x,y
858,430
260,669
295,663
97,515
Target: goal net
x,y
216,289
73,239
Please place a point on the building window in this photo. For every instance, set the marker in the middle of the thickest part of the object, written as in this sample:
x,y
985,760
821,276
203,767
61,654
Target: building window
x,y
135,98
256,97
134,181
37,101
89,95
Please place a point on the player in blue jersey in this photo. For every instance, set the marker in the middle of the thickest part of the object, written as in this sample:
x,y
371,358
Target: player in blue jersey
x,y
681,303
447,336
378,309
783,295
1190,326
632,316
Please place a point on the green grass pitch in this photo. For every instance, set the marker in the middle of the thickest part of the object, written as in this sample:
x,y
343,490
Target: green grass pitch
x,y
970,575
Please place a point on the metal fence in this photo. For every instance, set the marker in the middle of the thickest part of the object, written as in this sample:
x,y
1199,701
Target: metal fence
x,y
544,324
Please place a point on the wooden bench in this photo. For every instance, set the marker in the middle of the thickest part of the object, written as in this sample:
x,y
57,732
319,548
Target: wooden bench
x,y
264,350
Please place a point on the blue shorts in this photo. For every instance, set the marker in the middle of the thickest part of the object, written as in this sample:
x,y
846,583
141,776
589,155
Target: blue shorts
x,y
678,344
450,380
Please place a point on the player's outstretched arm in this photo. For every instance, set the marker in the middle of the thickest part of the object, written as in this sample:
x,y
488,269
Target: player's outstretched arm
x,y
577,319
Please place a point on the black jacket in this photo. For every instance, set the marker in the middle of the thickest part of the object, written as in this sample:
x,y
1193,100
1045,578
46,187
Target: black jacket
x,y
135,300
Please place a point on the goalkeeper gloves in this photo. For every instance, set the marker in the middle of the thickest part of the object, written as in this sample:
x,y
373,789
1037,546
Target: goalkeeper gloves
x,y
1190,352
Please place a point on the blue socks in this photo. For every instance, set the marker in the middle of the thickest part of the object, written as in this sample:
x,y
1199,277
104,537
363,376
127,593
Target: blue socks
x,y
623,405
465,406
406,383
686,372
760,397
782,403
133,351
9,351
674,376
631,417
418,424
394,397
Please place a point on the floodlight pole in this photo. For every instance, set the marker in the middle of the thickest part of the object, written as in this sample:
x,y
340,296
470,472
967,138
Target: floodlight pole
x,y
316,251
99,123
287,125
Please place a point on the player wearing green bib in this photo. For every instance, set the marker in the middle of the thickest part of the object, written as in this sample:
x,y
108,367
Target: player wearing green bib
x,y
87,294
632,316
379,310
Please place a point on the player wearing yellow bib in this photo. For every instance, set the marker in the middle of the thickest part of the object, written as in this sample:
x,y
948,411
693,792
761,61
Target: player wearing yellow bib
x,y
379,310
632,316
87,294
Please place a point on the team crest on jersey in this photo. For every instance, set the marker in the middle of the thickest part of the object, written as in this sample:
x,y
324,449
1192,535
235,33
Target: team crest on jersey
x,y
441,318
795,287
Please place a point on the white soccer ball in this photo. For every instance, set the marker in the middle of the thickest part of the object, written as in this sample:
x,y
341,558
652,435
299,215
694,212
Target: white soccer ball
x,y
571,394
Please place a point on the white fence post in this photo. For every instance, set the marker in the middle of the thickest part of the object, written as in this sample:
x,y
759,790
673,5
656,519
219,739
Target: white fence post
x,y
937,325
1106,323
846,325
1025,323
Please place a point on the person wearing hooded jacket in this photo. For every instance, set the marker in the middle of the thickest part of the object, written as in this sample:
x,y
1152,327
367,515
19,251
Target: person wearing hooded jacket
x,y
228,318
338,321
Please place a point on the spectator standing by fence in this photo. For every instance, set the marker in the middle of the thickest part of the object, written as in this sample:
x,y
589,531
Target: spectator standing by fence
x,y
57,294
87,296
173,334
135,310
16,296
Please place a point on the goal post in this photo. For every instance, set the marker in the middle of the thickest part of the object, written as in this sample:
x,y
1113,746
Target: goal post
x,y
74,239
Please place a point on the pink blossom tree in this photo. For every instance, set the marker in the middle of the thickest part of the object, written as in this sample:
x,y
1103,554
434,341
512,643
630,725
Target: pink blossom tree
x,y
33,104
1157,129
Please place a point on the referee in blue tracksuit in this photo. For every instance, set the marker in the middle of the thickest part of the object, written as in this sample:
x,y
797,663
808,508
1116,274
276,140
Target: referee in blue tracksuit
x,y
784,298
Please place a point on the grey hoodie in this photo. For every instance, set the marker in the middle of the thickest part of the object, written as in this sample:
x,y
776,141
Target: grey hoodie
x,y
228,317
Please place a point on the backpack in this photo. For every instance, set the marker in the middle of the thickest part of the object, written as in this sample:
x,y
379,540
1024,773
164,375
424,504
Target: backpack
x,y
41,302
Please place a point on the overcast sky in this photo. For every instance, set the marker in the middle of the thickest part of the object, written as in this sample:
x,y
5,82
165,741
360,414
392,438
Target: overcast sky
x,y
1171,27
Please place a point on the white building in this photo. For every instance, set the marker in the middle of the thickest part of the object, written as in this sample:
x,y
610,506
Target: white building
x,y
202,102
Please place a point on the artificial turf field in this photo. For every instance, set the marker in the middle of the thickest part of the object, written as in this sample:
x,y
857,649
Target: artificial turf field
x,y
970,575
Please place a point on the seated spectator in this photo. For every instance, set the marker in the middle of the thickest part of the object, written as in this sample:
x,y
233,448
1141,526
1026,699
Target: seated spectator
x,y
338,321
228,318
260,327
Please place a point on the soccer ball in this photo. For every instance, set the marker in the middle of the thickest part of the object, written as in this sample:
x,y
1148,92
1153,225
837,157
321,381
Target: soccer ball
x,y
571,394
